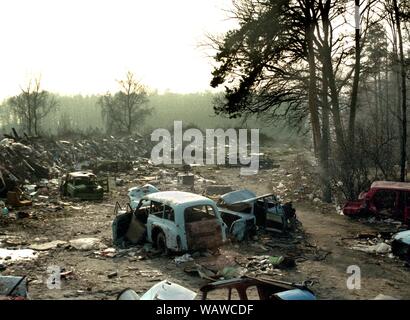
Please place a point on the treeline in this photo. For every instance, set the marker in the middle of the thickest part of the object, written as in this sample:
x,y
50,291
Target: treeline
x,y
342,66
82,114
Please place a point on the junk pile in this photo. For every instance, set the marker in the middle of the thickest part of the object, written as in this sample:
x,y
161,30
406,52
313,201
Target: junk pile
x,y
26,160
401,245
266,289
376,243
382,243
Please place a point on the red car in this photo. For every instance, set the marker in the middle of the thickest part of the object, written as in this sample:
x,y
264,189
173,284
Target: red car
x,y
384,199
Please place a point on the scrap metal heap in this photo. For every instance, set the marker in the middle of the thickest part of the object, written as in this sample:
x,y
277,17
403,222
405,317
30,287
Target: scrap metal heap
x,y
26,160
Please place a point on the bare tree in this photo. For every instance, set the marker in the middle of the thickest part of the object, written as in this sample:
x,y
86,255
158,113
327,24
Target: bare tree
x,y
403,140
32,105
127,108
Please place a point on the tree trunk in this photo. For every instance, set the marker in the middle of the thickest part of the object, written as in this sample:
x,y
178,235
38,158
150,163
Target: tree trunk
x,y
324,148
35,122
403,138
313,109
355,88
334,94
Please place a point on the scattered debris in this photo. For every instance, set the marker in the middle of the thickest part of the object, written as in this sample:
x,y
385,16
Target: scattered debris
x,y
86,244
401,245
11,255
186,179
112,274
164,290
384,297
81,185
380,248
216,190
184,258
48,245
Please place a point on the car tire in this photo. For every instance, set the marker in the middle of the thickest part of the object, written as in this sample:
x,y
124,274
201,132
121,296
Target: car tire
x,y
161,242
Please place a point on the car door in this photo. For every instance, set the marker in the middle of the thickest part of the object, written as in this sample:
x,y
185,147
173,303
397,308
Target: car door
x,y
385,202
406,211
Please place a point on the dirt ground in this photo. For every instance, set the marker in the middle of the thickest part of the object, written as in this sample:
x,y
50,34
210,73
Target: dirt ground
x,y
322,254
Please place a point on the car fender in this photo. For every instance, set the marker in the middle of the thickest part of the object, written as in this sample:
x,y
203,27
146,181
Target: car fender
x,y
170,232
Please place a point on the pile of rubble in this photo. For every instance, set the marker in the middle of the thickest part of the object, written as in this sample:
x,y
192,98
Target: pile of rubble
x,y
26,160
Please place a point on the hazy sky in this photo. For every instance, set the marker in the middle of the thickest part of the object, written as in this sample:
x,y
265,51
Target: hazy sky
x,y
82,46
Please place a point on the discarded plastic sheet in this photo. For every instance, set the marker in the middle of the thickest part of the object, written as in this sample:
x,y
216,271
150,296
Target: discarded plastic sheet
x,y
166,290
380,248
9,255
47,245
86,244
184,258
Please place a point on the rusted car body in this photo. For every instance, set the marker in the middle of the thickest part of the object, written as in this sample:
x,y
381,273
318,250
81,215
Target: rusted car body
x,y
401,245
127,228
243,288
82,185
164,290
249,288
181,221
136,193
240,225
247,210
383,199
13,288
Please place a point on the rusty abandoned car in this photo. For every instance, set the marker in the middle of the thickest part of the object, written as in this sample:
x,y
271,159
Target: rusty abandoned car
x,y
172,220
243,211
243,288
82,185
384,199
13,288
401,245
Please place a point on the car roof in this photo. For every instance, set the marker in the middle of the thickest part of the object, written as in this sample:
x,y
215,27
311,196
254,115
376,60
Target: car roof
x,y
81,174
238,196
178,197
242,196
391,185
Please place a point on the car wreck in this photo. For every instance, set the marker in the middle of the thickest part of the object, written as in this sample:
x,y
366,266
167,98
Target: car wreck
x,y
164,290
136,193
401,245
13,288
250,288
243,211
384,199
172,220
243,288
82,185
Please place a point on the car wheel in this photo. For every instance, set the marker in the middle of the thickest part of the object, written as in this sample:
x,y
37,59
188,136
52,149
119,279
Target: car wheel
x,y
161,243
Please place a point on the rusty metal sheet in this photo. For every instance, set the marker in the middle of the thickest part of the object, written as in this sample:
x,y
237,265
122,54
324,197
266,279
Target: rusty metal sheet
x,y
205,234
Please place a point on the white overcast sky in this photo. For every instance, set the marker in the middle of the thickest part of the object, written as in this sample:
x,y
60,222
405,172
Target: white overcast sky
x,y
82,46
